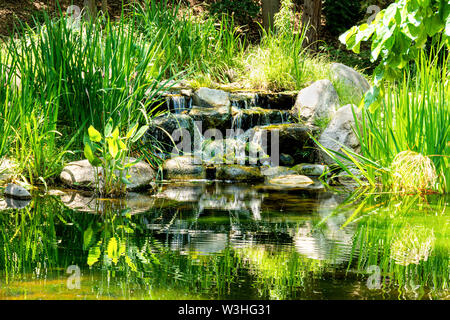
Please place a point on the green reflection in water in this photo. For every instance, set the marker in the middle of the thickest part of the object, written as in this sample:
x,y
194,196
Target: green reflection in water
x,y
200,242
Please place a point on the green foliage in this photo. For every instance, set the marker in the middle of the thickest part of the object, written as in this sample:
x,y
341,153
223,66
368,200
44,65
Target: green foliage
x,y
341,15
191,44
413,115
399,33
110,152
243,11
284,19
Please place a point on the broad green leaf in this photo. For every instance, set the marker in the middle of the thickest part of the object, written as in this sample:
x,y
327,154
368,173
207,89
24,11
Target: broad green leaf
x,y
112,147
94,135
115,133
132,131
139,134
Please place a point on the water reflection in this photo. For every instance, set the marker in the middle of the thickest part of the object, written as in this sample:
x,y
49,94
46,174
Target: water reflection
x,y
211,240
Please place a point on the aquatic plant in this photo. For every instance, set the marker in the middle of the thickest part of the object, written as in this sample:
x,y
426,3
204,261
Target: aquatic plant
x,y
412,172
110,153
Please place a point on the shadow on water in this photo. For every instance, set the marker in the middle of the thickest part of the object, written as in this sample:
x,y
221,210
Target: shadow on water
x,y
208,240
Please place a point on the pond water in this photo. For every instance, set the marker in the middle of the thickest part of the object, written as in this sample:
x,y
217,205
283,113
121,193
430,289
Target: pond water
x,y
208,240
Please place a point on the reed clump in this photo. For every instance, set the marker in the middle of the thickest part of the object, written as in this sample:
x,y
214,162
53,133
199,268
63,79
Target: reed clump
x,y
412,172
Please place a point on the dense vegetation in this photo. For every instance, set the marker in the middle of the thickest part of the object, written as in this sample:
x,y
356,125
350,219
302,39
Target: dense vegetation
x,y
61,76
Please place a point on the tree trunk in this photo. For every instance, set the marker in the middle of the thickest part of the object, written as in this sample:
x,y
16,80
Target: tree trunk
x,y
269,8
312,12
105,6
91,8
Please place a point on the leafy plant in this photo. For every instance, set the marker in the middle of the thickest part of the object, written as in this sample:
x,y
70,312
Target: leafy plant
x,y
243,10
110,153
398,35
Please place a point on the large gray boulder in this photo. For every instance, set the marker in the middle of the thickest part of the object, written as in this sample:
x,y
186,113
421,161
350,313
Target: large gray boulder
x,y
81,174
17,192
211,98
318,101
340,132
350,77
184,168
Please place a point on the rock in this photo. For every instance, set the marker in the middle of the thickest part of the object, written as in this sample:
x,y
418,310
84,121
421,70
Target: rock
x,y
211,98
17,192
248,118
162,128
280,100
347,180
350,77
293,180
184,168
310,169
292,139
340,132
212,118
6,170
133,203
224,151
318,101
286,159
11,203
273,172
17,203
82,174
238,173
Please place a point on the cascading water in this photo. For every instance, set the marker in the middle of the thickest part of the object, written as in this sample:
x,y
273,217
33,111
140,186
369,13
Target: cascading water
x,y
178,103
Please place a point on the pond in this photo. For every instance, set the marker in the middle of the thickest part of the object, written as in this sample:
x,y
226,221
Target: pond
x,y
210,240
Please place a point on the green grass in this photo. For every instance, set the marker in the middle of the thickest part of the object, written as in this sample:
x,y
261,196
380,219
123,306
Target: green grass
x,y
69,78
414,116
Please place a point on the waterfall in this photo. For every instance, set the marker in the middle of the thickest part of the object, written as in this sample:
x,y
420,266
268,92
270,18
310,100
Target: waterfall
x,y
178,103
236,124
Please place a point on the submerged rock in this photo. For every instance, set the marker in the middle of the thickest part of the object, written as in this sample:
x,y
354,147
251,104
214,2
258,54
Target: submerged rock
x,y
81,174
238,173
318,101
184,168
350,77
293,180
310,169
340,132
211,98
17,192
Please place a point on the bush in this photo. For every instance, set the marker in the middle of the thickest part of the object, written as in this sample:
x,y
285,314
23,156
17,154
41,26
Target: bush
x,y
341,15
243,10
